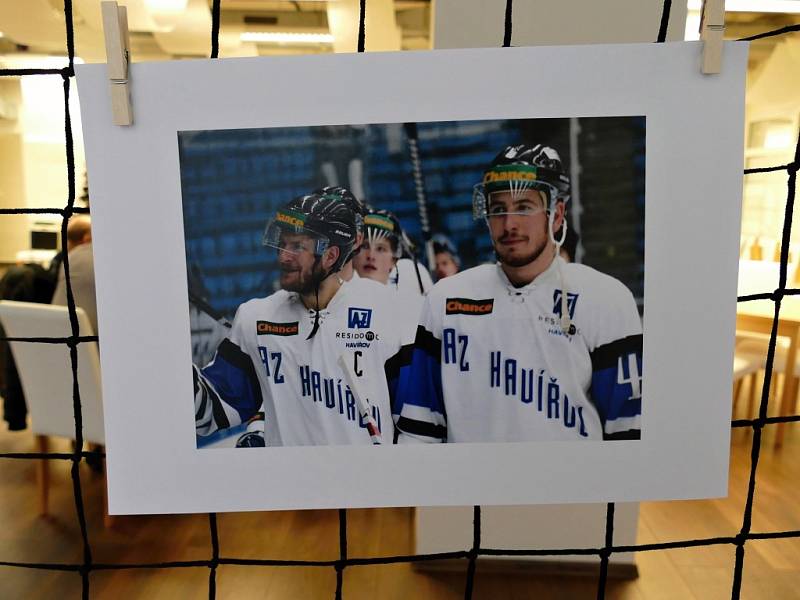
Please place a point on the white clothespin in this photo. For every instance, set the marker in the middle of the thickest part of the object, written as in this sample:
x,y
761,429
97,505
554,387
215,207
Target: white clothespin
x,y
115,28
712,28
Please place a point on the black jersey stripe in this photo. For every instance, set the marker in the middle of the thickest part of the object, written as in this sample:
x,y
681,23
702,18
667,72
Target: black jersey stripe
x,y
630,434
427,342
423,428
203,403
220,418
606,356
399,360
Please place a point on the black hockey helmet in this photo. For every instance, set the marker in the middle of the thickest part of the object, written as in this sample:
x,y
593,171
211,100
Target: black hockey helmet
x,y
323,217
342,194
522,167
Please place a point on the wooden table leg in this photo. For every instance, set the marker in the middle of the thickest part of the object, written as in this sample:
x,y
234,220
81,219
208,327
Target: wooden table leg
x,y
43,474
789,386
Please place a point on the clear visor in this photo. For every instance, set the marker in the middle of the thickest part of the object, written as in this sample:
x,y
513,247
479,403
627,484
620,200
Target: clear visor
x,y
513,197
294,240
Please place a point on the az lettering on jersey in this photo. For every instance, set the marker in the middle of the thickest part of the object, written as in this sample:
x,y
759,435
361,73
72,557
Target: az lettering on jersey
x,y
270,328
450,342
466,306
275,358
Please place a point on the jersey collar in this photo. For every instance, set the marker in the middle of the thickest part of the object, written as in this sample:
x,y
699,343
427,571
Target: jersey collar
x,y
546,276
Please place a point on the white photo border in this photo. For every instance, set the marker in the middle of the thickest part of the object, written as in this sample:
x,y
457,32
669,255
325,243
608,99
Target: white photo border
x,y
694,165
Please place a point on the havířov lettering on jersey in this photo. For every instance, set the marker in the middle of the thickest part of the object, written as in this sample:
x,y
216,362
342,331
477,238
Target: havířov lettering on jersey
x,y
268,364
491,362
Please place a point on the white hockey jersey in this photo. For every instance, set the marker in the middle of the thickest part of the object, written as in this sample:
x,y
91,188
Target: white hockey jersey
x,y
492,364
404,277
267,364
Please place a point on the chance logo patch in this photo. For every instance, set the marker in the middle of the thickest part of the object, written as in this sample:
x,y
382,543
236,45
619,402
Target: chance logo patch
x,y
466,306
359,318
270,328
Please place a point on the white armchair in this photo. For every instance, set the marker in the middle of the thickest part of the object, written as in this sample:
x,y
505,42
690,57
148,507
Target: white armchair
x,y
45,372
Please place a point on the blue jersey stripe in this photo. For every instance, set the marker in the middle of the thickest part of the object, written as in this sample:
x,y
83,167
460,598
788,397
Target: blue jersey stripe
x,y
234,377
421,382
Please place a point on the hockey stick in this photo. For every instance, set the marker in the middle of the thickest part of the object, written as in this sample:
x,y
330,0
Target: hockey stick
x,y
363,403
203,306
412,135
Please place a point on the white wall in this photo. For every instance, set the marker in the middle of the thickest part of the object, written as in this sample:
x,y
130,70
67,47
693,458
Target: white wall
x,y
528,527
12,181
32,146
480,23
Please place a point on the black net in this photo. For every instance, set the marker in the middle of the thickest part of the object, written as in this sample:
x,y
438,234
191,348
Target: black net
x,y
470,556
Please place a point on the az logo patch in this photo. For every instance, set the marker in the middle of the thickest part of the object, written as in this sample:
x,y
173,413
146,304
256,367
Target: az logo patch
x,y
572,300
359,318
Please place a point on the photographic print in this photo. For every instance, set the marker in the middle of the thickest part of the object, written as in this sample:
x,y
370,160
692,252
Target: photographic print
x,y
526,220
472,287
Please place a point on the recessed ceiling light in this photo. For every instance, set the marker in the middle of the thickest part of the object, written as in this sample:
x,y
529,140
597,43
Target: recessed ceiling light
x,y
285,37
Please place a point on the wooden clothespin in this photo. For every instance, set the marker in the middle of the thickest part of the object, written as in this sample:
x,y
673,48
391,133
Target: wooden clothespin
x,y
712,28
115,28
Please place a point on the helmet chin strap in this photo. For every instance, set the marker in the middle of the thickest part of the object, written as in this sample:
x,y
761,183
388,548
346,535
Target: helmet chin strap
x,y
319,281
566,323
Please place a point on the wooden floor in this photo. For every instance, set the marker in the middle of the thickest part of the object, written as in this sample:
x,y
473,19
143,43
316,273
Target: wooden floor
x,y
772,568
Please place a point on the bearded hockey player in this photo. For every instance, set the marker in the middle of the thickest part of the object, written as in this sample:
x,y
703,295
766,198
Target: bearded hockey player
x,y
531,348
320,357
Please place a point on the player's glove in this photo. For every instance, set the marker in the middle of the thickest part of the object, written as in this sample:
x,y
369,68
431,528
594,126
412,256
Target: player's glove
x,y
254,436
251,439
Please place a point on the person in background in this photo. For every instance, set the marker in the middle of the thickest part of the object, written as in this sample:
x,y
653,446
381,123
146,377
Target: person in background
x,y
447,260
81,269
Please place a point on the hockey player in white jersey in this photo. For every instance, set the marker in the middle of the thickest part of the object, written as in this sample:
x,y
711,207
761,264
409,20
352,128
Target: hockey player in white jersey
x,y
282,356
383,245
531,348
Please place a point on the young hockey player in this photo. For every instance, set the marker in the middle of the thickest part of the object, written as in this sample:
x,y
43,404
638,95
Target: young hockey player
x,y
532,348
381,247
